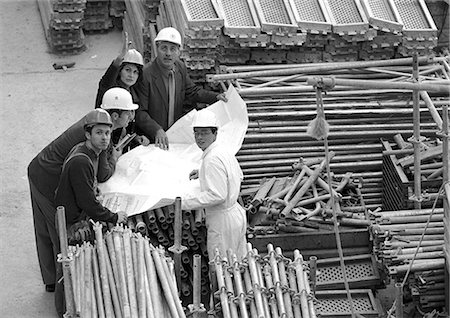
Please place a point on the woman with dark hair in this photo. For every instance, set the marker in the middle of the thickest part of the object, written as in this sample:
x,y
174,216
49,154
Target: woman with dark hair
x,y
125,71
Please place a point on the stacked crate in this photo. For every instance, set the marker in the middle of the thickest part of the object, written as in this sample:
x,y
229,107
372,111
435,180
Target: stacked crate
x,y
96,16
292,31
62,20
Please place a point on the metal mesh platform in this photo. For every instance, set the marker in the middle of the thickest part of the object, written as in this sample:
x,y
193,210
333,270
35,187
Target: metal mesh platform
x,y
201,13
382,15
411,14
311,15
275,17
334,303
347,16
361,271
416,19
239,17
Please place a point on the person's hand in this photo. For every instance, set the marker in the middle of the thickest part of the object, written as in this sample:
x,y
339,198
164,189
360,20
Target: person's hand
x,y
161,140
193,175
142,140
116,152
121,216
222,97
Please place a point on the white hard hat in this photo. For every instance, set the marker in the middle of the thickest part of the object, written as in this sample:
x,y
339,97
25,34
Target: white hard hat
x,y
133,56
205,118
118,98
97,117
169,34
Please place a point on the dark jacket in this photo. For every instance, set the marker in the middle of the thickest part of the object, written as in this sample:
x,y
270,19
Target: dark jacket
x,y
153,111
45,169
111,79
77,188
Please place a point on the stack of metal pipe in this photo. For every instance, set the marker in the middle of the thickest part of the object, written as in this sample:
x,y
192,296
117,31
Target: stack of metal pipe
x,y
399,172
158,226
281,105
397,235
302,202
270,286
123,275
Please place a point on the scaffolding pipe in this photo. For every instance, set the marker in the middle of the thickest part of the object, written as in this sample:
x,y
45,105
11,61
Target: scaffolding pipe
x,y
416,139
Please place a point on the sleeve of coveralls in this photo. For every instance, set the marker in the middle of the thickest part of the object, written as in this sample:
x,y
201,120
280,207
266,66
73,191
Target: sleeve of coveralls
x,y
81,175
215,189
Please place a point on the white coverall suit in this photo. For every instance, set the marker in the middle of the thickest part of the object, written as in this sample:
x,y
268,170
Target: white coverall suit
x,y
220,179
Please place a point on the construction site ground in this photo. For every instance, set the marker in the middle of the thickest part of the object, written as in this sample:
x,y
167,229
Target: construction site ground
x,y
38,103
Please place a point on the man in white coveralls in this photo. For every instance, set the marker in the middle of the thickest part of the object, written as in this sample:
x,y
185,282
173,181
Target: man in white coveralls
x,y
220,179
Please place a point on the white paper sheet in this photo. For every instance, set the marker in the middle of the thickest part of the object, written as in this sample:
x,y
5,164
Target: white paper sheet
x,y
148,177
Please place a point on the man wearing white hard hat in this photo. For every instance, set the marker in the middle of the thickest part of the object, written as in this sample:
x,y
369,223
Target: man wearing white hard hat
x,y
119,103
220,179
165,88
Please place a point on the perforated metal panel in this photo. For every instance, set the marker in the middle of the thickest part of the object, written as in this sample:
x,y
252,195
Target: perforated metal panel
x,y
382,15
353,272
237,13
200,9
276,17
345,11
335,303
308,10
381,10
361,272
311,15
412,14
275,12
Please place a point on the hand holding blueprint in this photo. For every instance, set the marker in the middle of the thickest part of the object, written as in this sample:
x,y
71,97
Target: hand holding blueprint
x,y
148,177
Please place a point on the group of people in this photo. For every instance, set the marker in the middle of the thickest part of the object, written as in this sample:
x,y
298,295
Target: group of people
x,y
145,99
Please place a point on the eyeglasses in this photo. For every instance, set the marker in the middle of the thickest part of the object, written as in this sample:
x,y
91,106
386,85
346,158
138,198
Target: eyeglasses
x,y
202,133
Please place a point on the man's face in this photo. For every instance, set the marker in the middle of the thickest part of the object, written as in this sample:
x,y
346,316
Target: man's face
x,y
129,74
100,137
204,137
167,53
124,119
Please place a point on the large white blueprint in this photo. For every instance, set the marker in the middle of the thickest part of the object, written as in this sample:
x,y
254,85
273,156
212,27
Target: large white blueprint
x,y
148,177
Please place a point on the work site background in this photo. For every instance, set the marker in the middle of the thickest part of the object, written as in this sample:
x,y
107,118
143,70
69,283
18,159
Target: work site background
x,y
38,103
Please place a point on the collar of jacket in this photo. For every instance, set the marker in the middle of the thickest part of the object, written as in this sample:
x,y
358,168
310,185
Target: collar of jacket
x,y
164,71
209,149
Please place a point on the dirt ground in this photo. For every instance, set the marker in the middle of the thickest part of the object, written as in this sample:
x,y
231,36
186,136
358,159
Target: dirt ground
x,y
38,103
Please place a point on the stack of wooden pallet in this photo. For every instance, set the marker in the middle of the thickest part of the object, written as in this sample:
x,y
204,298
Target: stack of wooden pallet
x,y
96,16
62,20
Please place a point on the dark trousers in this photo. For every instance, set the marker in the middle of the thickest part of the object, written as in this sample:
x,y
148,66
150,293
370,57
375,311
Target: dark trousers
x,y
47,242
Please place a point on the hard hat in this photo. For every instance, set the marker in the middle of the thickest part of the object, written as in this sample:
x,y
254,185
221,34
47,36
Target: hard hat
x,y
205,118
97,117
169,34
118,98
133,56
